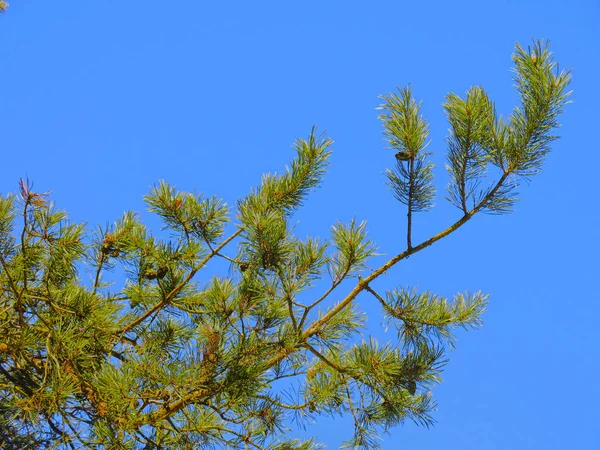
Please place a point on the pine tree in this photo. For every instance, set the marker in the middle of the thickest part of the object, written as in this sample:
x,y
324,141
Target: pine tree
x,y
170,360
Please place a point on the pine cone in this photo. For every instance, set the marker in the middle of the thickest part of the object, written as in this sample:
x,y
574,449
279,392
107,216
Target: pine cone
x,y
403,156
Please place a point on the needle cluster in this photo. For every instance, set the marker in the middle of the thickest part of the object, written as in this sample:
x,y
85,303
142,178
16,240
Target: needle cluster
x,y
181,355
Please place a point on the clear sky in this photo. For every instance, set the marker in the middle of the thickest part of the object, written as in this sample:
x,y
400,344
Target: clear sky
x,y
99,100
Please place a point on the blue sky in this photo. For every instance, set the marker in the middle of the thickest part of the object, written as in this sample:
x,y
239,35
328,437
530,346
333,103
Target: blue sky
x,y
99,100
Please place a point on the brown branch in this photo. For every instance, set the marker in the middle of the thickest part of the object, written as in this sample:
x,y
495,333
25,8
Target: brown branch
x,y
322,357
289,300
363,283
97,279
195,396
403,317
411,188
376,295
463,174
282,405
171,408
334,285
23,238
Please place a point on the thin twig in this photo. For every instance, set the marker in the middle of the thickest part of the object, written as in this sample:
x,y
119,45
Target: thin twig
x,y
411,187
97,279
334,285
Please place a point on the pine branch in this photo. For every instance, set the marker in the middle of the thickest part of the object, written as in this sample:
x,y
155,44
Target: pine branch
x,y
316,326
201,368
171,295
406,132
363,283
470,122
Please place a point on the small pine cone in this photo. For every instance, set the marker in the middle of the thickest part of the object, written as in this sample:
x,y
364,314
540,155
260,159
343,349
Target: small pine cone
x,y
161,272
403,156
150,274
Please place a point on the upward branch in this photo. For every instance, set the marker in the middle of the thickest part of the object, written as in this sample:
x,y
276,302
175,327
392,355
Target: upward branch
x,y
364,282
411,193
411,181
